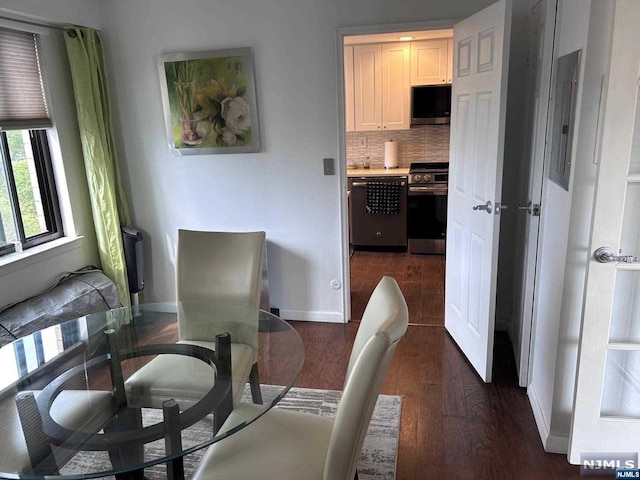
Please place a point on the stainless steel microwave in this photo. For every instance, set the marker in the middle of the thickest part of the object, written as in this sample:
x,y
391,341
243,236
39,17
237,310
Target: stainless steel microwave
x,y
430,104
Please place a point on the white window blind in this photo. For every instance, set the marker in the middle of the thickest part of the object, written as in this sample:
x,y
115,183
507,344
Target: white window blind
x,y
22,101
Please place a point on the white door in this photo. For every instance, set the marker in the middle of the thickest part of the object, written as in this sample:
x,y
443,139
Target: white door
x,y
541,60
478,107
606,416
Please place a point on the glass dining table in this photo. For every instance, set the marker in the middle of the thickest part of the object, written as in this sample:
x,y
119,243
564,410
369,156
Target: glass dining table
x,y
65,412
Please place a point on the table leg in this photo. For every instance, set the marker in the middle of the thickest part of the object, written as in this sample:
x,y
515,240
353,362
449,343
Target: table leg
x,y
173,439
223,354
128,419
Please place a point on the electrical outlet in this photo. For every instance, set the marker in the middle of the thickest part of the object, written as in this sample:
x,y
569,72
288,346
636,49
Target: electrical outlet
x,y
362,142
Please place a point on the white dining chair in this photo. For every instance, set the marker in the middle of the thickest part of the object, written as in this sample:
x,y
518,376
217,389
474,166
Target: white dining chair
x,y
289,445
220,270
25,450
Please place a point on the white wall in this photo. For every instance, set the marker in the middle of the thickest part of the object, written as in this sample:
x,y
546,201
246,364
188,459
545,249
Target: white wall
x,y
281,190
565,231
29,276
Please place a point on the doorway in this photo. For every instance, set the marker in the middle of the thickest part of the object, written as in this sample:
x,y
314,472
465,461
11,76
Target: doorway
x,y
377,118
481,47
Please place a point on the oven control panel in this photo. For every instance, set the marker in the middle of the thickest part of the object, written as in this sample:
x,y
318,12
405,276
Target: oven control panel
x,y
433,177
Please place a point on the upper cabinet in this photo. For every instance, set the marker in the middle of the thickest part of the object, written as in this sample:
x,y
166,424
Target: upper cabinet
x,y
430,62
367,74
349,95
382,86
396,86
450,60
378,79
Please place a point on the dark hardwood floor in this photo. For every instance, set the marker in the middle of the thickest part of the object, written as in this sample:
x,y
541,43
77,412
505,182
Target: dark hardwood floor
x,y
453,425
421,278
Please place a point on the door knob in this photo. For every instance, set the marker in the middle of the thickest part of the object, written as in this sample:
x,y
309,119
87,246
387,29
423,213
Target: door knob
x,y
487,207
606,255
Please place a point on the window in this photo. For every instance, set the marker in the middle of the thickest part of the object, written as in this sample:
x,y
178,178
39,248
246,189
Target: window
x,y
29,211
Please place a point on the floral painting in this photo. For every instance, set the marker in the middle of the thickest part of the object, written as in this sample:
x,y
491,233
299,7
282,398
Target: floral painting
x,y
209,102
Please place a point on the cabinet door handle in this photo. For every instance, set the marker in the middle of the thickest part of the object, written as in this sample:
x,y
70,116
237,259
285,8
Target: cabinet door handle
x,y
364,184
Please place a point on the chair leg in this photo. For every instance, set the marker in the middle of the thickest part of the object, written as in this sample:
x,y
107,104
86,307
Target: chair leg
x,y
254,381
40,453
225,405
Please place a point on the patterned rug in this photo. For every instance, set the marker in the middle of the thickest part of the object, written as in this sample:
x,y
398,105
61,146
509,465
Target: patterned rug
x,y
379,452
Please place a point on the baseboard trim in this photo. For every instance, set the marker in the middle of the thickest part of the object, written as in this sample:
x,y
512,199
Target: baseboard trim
x,y
552,442
557,444
538,415
309,316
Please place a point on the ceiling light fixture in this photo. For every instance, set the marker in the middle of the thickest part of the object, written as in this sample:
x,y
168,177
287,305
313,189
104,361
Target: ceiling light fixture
x,y
406,39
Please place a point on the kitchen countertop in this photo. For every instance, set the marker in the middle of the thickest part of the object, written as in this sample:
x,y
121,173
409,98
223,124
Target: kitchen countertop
x,y
378,172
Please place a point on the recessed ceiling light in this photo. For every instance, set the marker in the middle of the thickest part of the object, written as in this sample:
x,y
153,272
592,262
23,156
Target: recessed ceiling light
x,y
406,39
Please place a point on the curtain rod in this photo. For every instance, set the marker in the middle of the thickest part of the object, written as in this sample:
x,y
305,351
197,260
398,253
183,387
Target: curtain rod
x,y
53,26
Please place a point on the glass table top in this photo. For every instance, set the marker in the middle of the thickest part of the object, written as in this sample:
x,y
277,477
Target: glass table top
x,y
69,407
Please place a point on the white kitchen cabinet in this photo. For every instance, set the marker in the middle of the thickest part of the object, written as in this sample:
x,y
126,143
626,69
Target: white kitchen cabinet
x,y
349,95
396,86
429,62
367,71
382,87
450,60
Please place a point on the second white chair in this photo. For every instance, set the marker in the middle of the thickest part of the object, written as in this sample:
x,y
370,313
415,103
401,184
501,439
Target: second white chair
x,y
288,445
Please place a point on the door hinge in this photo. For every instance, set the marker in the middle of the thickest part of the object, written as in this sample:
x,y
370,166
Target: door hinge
x,y
532,208
535,210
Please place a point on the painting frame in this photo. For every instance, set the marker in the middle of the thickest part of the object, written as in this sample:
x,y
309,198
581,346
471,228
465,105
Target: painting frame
x,y
209,102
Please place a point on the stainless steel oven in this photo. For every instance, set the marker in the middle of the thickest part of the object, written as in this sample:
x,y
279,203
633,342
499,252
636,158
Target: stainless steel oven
x,y
427,208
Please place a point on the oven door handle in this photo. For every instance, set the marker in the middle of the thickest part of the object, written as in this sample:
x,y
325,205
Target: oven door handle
x,y
364,184
427,191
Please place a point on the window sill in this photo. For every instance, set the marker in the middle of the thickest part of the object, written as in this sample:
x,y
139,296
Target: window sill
x,y
16,261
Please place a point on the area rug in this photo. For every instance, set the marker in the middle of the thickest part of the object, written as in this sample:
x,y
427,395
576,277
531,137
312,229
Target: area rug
x,y
379,452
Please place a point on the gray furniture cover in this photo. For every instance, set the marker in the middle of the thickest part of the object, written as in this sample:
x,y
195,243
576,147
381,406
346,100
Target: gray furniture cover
x,y
80,294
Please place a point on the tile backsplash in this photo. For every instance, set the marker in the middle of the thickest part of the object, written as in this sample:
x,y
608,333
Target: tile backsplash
x,y
427,143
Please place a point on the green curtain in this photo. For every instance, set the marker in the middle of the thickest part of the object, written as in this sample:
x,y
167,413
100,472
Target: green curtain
x,y
108,203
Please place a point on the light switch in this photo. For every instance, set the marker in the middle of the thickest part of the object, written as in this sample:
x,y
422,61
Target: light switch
x,y
328,166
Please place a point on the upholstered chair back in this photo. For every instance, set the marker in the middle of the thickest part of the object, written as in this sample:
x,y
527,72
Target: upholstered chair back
x,y
384,322
225,269
224,266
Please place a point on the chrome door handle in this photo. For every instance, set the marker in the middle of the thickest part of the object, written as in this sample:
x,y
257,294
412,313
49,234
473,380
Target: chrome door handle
x,y
606,255
487,207
499,207
526,207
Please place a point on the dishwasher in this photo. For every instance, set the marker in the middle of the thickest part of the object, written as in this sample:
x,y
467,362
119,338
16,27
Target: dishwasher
x,y
378,211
